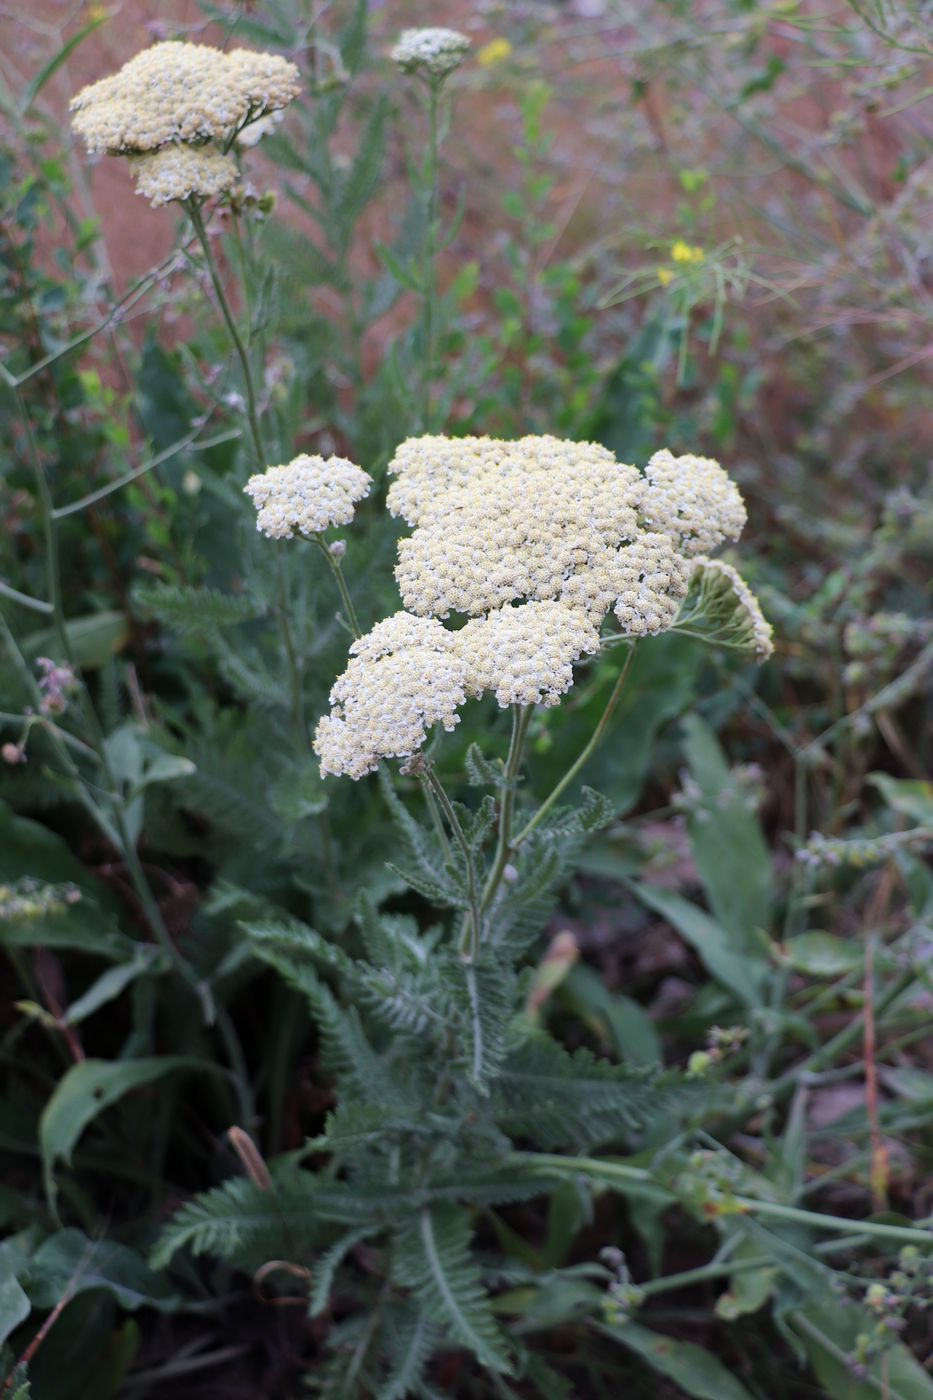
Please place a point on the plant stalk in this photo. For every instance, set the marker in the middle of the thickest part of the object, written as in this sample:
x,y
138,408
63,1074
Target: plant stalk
x,y
521,720
578,764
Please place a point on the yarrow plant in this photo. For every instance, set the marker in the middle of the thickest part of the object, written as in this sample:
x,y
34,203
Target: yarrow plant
x,y
432,52
177,108
473,1059
535,541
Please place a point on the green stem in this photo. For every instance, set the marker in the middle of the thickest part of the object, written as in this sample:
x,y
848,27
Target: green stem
x,y
615,1173
521,720
296,685
575,767
472,934
252,402
295,678
341,583
429,271
706,1271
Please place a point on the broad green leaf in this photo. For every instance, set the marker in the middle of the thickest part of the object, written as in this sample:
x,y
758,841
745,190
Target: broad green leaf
x,y
728,844
697,1372
85,1091
820,954
749,1289
93,638
14,1306
108,986
616,1019
70,1262
825,1330
721,954
911,796
29,850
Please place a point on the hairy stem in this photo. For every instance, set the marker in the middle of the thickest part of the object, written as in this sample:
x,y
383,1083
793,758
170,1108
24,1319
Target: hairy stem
x,y
429,271
249,384
341,583
295,680
521,720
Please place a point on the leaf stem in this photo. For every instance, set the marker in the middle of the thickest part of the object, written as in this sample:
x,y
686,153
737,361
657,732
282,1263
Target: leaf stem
x,y
576,766
619,1172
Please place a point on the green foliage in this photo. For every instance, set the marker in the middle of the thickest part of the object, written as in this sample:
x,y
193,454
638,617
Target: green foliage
x,y
422,1022
433,1258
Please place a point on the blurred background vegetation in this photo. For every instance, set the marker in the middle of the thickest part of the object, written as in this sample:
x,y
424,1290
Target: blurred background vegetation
x,y
705,226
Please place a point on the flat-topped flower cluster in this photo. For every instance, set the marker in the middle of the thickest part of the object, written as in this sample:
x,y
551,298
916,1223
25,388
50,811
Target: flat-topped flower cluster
x,y
176,108
535,541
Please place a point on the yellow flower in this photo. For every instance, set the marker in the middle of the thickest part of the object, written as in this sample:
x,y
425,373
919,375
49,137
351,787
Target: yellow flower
x,y
682,252
96,13
496,51
665,276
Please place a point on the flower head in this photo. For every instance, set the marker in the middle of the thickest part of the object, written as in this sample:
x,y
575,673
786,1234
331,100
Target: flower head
x,y
501,521
176,172
435,52
179,92
693,500
651,580
525,655
306,495
721,606
403,677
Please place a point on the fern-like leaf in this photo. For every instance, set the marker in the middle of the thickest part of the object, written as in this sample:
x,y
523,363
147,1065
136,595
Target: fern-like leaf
x,y
433,1258
195,612
559,1099
412,1340
326,1268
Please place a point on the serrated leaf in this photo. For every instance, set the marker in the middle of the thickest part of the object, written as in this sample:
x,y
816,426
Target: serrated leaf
x,y
482,771
433,1257
195,611
326,1267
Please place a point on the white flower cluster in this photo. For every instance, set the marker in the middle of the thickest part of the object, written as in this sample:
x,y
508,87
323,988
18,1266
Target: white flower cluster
x,y
181,92
693,500
188,97
404,677
525,655
535,541
721,606
306,495
651,580
175,172
500,521
436,52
